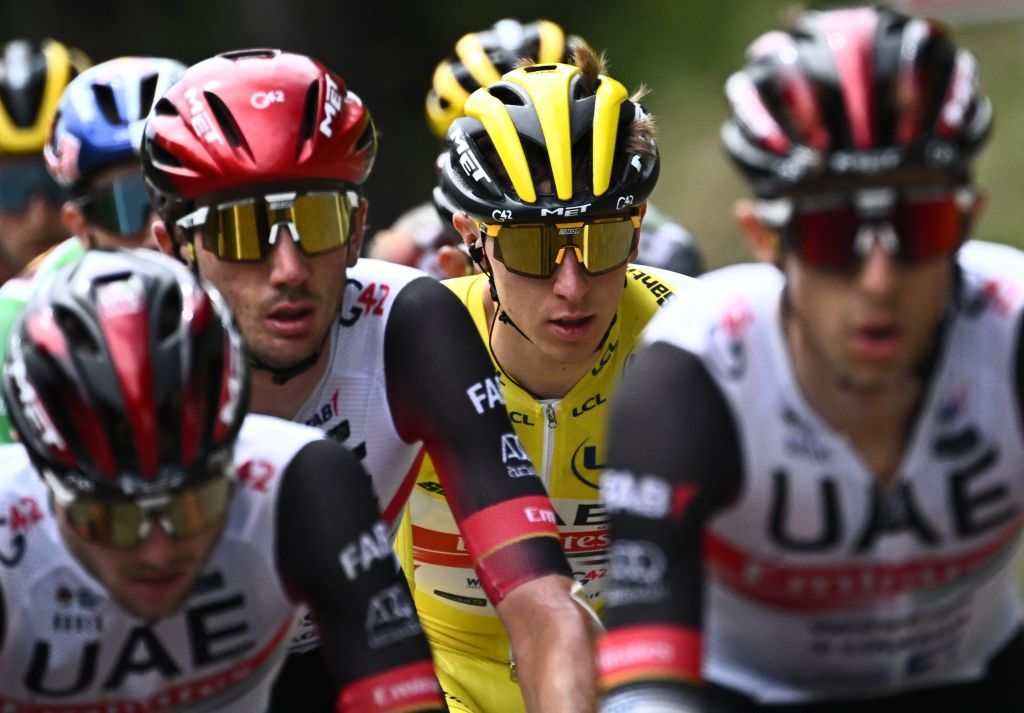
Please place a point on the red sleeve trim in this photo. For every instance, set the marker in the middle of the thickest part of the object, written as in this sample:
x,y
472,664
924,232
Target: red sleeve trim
x,y
490,536
660,651
405,689
511,521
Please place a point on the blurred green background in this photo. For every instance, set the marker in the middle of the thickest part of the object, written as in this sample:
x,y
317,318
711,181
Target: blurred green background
x,y
682,49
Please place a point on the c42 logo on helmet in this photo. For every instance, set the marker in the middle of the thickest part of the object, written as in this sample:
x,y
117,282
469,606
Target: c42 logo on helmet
x,y
261,100
501,215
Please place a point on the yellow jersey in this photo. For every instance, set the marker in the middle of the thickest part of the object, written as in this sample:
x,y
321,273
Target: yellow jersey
x,y
564,439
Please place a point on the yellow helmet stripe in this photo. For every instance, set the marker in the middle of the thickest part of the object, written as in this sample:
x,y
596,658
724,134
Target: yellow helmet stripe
x,y
31,138
552,42
471,52
447,87
496,120
549,91
610,95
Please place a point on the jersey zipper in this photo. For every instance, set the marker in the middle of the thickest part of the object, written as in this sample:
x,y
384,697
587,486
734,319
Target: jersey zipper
x,y
548,452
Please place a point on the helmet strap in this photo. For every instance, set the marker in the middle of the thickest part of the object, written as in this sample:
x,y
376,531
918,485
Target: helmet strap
x,y
282,375
476,253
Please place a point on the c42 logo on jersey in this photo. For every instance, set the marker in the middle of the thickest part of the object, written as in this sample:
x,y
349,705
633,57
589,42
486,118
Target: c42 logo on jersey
x,y
17,520
369,301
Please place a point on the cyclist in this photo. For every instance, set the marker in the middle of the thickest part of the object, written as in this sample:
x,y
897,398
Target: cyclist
x,y
32,77
155,540
814,478
93,153
553,223
257,158
424,240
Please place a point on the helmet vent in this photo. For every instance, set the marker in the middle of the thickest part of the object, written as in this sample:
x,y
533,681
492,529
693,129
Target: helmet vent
x,y
309,111
79,338
539,68
164,107
365,139
249,54
506,95
107,103
160,155
227,123
147,93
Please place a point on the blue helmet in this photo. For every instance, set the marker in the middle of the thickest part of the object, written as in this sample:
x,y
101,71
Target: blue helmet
x,y
101,116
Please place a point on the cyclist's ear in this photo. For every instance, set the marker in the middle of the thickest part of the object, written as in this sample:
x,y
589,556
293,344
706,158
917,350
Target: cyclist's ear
x,y
762,240
177,247
74,221
470,233
355,241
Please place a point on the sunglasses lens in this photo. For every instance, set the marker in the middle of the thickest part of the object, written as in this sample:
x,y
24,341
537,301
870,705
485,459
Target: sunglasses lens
x,y
928,228
323,221
119,523
925,228
240,232
195,509
122,207
825,238
21,180
533,250
527,249
232,231
607,245
114,524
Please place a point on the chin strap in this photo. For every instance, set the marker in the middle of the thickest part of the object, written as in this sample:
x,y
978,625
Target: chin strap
x,y
476,254
282,375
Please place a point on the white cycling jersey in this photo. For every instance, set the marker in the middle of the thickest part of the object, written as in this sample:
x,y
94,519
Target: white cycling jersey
x,y
350,404
822,583
67,647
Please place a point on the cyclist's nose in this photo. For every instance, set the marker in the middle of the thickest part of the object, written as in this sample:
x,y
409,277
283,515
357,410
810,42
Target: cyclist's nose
x,y
570,280
157,547
288,264
879,270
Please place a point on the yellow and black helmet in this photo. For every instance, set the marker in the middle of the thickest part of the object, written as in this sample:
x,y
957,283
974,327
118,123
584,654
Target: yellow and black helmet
x,y
481,58
33,76
546,142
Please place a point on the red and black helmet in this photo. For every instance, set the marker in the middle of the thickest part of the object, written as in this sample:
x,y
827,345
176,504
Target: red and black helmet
x,y
852,93
254,117
125,376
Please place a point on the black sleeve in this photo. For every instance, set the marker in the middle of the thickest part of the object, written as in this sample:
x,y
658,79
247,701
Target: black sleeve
x,y
443,390
334,554
673,460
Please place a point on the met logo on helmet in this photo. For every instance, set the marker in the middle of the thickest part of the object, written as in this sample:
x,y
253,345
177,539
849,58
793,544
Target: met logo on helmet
x,y
332,105
467,160
200,118
566,210
33,407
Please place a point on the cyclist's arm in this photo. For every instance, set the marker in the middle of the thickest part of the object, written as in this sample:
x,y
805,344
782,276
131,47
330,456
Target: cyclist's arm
x,y
673,459
443,390
333,554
